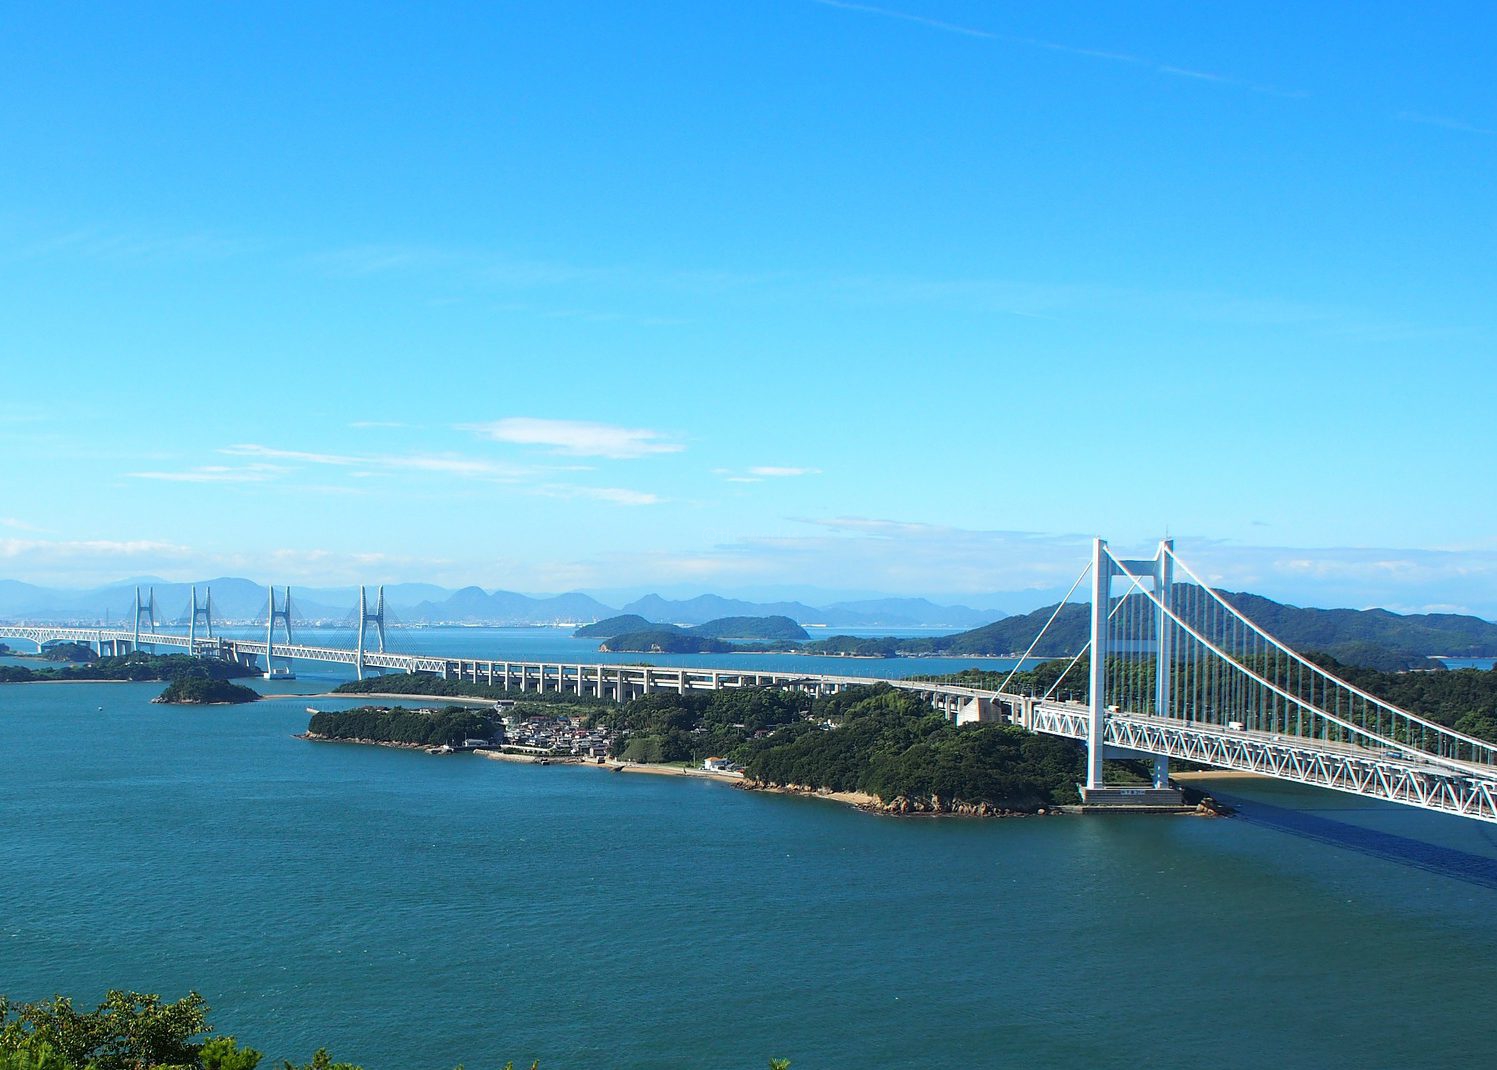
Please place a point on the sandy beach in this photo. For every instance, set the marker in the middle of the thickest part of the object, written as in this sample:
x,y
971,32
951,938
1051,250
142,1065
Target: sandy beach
x,y
613,767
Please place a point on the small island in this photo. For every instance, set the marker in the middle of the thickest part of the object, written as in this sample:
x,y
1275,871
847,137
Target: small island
x,y
135,666
452,726
634,633
202,691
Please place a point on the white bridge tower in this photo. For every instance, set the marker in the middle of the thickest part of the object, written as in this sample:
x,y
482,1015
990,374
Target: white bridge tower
x,y
145,609
377,618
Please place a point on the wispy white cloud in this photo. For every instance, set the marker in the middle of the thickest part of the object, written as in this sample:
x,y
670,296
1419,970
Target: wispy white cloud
x,y
759,473
445,464
16,524
84,562
121,246
578,438
81,559
254,449
213,473
611,495
1170,69
782,472
1444,122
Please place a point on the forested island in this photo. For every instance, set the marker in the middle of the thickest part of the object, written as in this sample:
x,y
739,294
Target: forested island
x,y
631,632
202,691
876,740
134,666
450,726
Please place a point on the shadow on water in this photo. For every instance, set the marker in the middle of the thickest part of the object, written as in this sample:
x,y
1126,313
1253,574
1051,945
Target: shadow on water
x,y
1446,861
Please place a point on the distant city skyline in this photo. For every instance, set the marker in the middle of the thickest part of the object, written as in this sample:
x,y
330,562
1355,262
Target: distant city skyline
x,y
872,299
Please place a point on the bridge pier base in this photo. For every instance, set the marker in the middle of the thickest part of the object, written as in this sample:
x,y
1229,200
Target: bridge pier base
x,y
975,711
1123,799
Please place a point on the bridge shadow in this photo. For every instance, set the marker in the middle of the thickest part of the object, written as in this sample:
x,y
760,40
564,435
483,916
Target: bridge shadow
x,y
1452,862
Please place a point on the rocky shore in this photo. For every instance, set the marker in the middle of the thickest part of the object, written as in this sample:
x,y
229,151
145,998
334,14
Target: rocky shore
x,y
315,738
935,805
900,805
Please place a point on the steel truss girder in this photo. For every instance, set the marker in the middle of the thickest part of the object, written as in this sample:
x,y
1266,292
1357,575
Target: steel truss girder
x,y
1316,763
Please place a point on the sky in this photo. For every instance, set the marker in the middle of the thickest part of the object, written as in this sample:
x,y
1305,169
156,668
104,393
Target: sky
x,y
800,297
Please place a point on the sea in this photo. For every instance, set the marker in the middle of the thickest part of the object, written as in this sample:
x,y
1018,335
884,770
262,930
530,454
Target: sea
x,y
411,911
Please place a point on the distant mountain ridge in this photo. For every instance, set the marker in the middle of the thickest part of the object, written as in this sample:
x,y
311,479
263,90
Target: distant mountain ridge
x,y
236,598
1376,638
1372,638
472,605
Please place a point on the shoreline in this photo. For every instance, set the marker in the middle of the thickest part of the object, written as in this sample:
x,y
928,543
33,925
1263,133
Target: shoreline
x,y
860,801
9,682
451,700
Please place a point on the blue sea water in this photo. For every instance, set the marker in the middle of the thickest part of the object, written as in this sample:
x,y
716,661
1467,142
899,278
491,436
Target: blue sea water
x,y
558,645
413,911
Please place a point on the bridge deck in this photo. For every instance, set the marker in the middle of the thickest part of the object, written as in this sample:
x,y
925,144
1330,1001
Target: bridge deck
x,y
1393,774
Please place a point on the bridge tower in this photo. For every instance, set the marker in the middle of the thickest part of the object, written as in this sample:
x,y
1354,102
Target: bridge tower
x,y
202,612
284,616
377,618
1160,569
148,610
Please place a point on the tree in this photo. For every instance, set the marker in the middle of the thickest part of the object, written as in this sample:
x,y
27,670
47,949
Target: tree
x,y
127,1031
224,1053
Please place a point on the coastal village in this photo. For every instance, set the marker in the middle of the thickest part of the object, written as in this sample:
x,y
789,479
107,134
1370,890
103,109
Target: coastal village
x,y
562,736
557,737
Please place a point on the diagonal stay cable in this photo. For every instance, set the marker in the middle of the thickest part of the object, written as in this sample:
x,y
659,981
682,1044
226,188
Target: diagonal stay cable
x,y
1025,656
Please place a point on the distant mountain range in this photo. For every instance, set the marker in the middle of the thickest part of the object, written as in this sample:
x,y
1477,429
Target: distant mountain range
x,y
235,598
1374,638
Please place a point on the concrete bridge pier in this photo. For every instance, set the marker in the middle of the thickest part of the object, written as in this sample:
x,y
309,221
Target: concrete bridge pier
x,y
975,710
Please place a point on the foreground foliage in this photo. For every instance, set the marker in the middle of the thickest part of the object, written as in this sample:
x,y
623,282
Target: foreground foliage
x,y
137,1031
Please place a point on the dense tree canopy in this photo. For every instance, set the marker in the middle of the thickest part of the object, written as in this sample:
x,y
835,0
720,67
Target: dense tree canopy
x,y
396,724
134,666
666,727
888,743
199,690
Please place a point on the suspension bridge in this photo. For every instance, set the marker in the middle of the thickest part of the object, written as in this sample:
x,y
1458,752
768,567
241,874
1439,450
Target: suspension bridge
x,y
1171,671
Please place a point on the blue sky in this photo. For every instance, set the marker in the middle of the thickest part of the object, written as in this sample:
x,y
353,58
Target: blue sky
x,y
764,296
